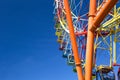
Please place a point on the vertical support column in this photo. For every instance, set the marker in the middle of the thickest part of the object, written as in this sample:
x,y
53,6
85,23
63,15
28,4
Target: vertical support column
x,y
114,44
111,50
115,39
114,49
90,42
73,41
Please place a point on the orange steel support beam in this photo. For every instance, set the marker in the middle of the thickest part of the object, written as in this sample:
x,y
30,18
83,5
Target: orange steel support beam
x,y
102,13
73,41
90,42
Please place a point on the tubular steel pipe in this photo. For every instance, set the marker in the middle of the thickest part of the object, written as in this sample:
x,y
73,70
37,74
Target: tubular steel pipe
x,y
90,42
73,41
102,13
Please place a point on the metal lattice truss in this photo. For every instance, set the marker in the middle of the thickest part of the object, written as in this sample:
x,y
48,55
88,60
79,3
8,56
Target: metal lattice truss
x,y
107,36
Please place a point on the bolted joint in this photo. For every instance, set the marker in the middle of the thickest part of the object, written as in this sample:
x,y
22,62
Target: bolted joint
x,y
93,28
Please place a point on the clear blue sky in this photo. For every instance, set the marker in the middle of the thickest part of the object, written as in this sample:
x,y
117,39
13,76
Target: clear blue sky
x,y
28,47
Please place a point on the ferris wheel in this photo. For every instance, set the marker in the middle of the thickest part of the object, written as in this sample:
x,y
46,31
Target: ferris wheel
x,y
106,42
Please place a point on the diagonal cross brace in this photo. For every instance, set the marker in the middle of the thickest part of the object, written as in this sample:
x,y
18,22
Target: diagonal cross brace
x,y
102,13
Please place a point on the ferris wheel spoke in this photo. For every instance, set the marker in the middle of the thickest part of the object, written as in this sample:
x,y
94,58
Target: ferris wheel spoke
x,y
75,6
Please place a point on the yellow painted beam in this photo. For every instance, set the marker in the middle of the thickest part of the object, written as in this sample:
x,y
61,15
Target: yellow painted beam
x,y
112,22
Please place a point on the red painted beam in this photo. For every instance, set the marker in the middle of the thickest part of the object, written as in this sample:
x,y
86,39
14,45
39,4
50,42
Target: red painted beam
x,y
116,64
81,33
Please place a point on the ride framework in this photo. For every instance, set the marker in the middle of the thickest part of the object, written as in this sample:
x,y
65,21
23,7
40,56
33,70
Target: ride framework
x,y
88,33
